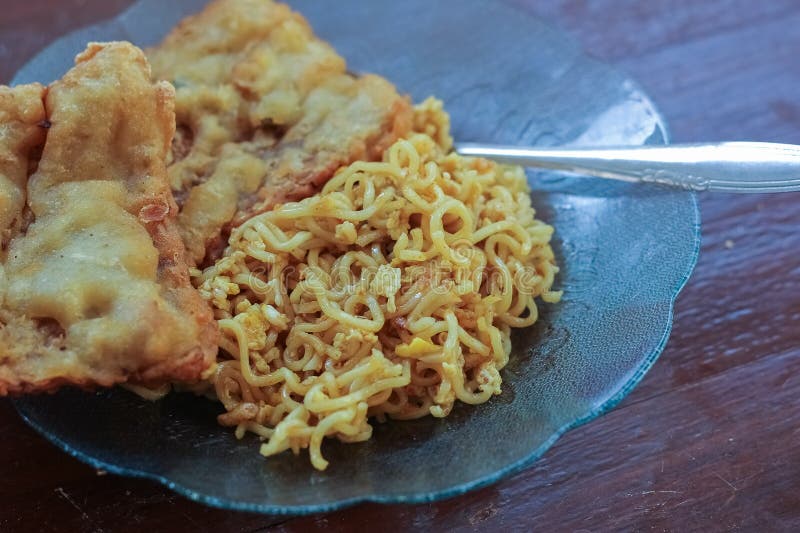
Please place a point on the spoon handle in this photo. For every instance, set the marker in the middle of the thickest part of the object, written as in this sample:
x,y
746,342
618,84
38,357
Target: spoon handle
x,y
726,167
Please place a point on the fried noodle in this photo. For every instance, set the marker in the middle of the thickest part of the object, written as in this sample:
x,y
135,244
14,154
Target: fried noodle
x,y
391,293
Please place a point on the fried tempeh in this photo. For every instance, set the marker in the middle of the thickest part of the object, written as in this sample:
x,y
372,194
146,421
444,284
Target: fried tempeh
x,y
96,289
22,131
266,113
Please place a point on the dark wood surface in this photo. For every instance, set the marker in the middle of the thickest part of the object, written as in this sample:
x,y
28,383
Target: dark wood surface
x,y
711,437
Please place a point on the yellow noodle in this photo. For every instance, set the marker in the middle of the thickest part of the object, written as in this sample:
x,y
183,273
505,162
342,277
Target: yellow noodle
x,y
391,293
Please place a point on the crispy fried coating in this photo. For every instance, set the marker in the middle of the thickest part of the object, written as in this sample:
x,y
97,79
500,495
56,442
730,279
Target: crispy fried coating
x,y
96,290
22,131
266,113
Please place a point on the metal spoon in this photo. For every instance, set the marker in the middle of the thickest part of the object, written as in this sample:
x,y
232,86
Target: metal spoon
x,y
726,167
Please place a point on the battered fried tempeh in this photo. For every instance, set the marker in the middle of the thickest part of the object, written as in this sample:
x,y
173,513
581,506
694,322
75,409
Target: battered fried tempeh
x,y
22,130
96,289
266,113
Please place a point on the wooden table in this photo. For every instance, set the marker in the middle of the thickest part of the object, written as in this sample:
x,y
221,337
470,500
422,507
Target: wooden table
x,y
710,439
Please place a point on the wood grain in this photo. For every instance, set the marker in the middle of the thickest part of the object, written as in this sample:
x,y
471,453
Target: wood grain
x,y
709,440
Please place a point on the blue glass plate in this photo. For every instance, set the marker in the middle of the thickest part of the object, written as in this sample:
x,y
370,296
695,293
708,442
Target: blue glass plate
x,y
626,251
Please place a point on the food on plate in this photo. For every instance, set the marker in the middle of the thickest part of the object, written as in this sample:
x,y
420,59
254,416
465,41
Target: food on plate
x,y
22,130
266,113
345,264
392,292
94,286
